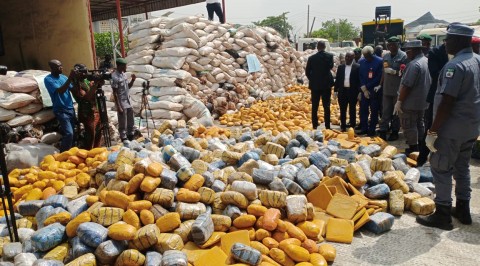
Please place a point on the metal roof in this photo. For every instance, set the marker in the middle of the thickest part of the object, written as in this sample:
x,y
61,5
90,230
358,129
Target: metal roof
x,y
107,9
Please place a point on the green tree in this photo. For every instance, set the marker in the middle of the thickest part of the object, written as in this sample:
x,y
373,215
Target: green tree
x,y
334,30
103,43
279,23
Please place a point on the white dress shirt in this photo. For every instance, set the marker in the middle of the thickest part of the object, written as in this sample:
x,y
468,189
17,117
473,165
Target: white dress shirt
x,y
346,82
212,1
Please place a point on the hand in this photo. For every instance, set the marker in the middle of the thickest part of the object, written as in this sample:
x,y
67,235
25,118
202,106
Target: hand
x,y
335,96
119,109
133,77
364,88
377,88
430,141
366,93
398,108
390,71
359,97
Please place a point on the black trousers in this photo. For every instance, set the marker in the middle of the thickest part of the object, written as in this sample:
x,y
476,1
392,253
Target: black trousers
x,y
325,94
347,98
422,147
217,8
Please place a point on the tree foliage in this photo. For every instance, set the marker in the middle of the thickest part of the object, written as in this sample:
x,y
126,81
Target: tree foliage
x,y
279,23
103,43
334,30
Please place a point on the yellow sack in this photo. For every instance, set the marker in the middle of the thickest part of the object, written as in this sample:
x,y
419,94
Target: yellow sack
x,y
121,231
185,195
84,260
130,257
58,253
169,242
169,222
107,216
146,237
72,226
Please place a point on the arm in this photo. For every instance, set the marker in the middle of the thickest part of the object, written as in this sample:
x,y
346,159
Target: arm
x,y
115,95
338,78
443,112
308,68
132,81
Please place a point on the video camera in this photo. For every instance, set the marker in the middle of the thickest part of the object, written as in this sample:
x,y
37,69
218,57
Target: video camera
x,y
96,74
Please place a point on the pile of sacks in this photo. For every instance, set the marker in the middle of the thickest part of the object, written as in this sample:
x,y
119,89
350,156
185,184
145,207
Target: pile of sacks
x,y
261,198
21,104
207,60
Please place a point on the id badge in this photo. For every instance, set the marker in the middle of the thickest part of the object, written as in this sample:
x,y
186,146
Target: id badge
x,y
370,74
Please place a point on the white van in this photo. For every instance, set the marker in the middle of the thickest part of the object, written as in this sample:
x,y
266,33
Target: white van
x,y
439,34
311,43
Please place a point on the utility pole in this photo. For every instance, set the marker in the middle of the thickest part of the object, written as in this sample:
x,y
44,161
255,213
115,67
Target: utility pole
x,y
311,28
308,21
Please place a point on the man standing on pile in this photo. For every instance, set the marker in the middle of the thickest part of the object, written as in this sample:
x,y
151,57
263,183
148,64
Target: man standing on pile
x,y
412,95
215,6
392,62
346,87
59,86
437,58
454,130
371,69
426,42
320,82
121,88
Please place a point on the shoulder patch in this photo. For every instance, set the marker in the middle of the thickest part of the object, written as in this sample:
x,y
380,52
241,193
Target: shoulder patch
x,y
449,73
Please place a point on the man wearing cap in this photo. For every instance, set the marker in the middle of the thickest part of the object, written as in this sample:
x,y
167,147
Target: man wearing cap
x,y
358,54
121,87
320,82
476,45
392,62
454,130
370,71
59,86
426,42
411,103
437,58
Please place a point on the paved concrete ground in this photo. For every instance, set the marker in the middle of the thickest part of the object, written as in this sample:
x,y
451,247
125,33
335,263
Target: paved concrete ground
x,y
409,243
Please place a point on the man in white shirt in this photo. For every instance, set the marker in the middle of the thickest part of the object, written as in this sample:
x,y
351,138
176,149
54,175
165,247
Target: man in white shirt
x,y
214,6
347,88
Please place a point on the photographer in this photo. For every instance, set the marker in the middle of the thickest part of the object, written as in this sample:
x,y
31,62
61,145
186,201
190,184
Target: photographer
x,y
58,86
121,87
88,114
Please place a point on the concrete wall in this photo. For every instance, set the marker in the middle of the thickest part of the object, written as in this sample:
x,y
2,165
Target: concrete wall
x,y
35,31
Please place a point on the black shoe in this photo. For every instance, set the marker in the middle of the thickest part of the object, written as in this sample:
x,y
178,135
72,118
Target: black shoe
x,y
130,137
393,136
440,218
382,135
358,127
372,134
462,211
361,132
343,128
410,149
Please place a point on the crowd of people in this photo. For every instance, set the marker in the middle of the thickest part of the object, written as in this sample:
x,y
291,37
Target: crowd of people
x,y
432,94
83,89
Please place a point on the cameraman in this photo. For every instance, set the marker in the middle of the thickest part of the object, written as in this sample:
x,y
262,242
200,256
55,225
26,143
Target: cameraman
x,y
121,87
58,86
88,114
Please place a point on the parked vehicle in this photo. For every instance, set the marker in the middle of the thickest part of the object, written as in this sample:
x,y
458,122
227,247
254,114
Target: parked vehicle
x,y
311,43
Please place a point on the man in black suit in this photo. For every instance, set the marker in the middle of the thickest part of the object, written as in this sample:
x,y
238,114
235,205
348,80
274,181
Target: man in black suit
x,y
320,81
347,84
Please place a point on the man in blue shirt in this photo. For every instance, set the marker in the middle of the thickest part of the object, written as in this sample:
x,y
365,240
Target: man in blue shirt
x,y
58,86
371,68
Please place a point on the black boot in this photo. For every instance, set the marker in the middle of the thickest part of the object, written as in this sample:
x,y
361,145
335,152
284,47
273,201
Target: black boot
x,y
382,134
393,136
440,218
410,149
462,211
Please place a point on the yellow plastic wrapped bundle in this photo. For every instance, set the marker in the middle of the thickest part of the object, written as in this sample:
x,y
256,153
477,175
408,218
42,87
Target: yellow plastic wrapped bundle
x,y
168,241
107,216
146,237
130,257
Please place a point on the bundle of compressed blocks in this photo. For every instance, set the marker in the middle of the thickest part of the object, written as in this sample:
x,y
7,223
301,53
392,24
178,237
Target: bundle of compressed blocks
x,y
229,198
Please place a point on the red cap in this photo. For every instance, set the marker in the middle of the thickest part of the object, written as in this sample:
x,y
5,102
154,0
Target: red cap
x,y
476,40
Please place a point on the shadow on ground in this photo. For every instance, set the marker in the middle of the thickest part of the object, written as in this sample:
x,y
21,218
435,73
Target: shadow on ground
x,y
468,234
396,246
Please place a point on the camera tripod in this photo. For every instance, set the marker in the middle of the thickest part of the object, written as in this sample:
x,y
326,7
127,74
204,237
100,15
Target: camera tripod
x,y
146,106
6,194
102,109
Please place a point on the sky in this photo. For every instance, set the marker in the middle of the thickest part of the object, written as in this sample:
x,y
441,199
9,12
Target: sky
x,y
357,12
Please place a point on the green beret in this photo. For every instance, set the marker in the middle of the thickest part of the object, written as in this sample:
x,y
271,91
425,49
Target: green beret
x,y
424,37
121,61
393,39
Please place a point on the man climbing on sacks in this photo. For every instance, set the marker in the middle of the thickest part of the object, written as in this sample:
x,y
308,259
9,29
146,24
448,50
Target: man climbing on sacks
x,y
121,88
59,86
454,130
412,96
